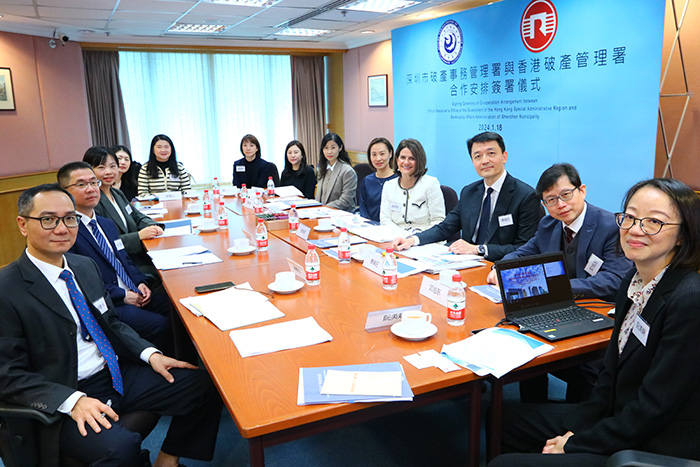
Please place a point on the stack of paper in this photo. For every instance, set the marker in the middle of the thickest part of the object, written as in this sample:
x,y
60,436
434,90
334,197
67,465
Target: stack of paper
x,y
372,382
495,351
333,242
184,257
438,257
315,213
177,227
492,292
154,211
232,308
282,336
378,233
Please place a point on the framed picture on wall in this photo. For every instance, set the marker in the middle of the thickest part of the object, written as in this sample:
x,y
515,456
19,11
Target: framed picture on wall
x,y
377,91
7,93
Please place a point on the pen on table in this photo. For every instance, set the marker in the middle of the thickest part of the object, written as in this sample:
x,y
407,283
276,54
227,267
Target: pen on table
x,y
108,404
192,262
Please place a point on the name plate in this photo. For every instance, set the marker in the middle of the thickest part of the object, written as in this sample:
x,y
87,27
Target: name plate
x,y
170,196
298,271
373,262
383,319
434,290
303,231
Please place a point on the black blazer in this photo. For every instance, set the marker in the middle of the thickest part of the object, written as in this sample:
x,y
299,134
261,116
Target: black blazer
x,y
305,181
648,398
38,352
516,198
135,220
254,173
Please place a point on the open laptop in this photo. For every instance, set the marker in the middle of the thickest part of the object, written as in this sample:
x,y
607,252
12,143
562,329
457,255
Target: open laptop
x,y
537,296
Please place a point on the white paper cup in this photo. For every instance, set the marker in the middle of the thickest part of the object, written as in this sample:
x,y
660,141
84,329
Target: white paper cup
x,y
446,276
325,223
284,280
241,244
415,322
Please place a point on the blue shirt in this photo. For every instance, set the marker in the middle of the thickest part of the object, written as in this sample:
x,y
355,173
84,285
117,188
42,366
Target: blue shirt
x,y
371,195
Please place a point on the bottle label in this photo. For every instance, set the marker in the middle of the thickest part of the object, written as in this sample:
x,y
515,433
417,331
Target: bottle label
x,y
261,241
344,252
270,192
206,206
293,225
223,220
313,273
389,279
258,209
455,310
216,192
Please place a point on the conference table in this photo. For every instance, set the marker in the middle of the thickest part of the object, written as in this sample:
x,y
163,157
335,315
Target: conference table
x,y
260,391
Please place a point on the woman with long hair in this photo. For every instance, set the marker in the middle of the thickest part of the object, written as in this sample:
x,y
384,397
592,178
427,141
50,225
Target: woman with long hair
x,y
296,171
163,172
128,179
337,181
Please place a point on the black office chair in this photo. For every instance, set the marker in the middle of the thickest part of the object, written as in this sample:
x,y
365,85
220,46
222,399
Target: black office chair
x,y
18,440
362,170
631,458
451,201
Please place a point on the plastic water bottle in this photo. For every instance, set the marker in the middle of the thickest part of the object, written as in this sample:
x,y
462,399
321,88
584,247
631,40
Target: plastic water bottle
x,y
206,205
313,266
270,187
293,219
389,277
243,194
216,191
261,235
456,302
223,216
344,246
258,203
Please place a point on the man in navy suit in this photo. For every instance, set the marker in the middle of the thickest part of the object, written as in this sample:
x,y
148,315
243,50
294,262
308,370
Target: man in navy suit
x,y
496,215
147,313
588,236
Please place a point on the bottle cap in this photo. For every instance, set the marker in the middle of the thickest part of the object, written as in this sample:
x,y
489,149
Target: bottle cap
x,y
312,246
294,206
456,278
221,203
389,250
206,191
343,229
243,186
260,220
269,178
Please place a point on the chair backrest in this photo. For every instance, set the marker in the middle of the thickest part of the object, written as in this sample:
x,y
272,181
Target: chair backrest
x,y
362,170
451,200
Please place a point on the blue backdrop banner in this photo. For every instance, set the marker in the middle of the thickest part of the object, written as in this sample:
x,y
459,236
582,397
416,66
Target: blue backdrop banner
x,y
561,80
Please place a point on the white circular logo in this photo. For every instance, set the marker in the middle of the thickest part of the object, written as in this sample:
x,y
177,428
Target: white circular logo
x,y
450,42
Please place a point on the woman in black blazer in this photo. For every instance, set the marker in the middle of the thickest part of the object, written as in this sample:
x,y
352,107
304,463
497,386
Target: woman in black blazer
x,y
128,180
296,171
648,395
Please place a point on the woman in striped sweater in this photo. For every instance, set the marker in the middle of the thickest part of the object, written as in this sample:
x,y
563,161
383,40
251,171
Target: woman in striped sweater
x,y
163,172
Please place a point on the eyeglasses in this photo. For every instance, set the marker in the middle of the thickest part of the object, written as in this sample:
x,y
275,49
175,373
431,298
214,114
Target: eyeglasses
x,y
566,195
649,225
83,185
51,222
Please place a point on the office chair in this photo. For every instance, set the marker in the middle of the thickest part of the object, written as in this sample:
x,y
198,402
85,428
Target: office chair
x,y
451,200
362,170
18,443
632,458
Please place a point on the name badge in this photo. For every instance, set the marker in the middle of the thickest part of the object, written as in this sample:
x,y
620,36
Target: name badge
x,y
641,330
434,290
505,221
174,178
240,168
128,209
101,305
119,244
303,231
394,207
593,265
373,262
296,268
170,196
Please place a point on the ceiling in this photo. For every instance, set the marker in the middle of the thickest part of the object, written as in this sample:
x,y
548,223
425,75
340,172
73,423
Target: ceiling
x,y
145,21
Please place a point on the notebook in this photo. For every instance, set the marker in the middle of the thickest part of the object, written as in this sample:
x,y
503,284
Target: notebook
x,y
536,295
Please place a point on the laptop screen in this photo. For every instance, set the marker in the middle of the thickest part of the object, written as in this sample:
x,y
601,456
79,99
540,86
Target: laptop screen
x,y
533,282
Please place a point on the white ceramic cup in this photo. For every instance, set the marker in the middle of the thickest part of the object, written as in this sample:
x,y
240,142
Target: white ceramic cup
x,y
446,276
241,244
193,207
285,280
415,321
325,223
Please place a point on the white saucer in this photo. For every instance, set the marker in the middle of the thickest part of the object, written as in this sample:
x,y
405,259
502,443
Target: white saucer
x,y
192,213
247,251
191,196
213,228
397,330
319,229
297,285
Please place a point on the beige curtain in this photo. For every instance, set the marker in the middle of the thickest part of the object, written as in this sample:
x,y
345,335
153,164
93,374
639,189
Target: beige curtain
x,y
308,104
104,94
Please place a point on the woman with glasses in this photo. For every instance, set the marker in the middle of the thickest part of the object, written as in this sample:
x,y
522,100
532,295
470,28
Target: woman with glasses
x,y
648,395
163,172
128,179
114,205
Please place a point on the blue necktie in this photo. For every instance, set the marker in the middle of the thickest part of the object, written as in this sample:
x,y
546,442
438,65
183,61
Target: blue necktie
x,y
93,328
109,254
485,218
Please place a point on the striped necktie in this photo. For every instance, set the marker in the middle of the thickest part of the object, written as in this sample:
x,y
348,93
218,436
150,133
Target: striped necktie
x,y
93,328
109,254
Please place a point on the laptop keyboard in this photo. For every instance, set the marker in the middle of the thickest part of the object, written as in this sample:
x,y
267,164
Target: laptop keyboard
x,y
553,319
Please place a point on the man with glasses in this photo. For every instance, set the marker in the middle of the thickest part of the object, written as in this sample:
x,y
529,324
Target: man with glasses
x,y
63,351
588,236
98,238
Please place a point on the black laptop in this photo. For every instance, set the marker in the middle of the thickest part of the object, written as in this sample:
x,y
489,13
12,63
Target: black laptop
x,y
537,296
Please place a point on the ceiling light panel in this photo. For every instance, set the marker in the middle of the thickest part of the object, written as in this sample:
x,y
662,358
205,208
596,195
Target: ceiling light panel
x,y
255,3
302,32
379,6
190,28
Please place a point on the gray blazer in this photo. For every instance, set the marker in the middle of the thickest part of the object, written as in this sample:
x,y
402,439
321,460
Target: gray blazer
x,y
135,221
338,189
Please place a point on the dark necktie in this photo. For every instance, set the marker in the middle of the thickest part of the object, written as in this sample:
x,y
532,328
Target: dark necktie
x,y
109,254
93,328
485,218
569,234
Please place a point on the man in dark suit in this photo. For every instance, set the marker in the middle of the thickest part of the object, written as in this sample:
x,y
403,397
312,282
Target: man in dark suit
x,y
59,344
147,313
496,215
589,238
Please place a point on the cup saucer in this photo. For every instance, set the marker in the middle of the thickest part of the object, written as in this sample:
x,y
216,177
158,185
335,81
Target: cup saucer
x,y
398,330
247,251
208,228
297,285
318,228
